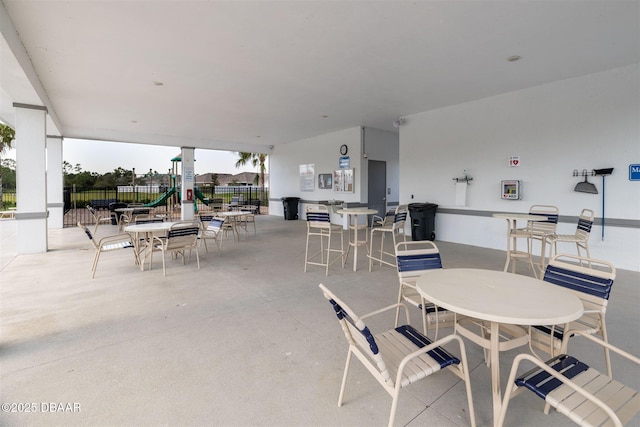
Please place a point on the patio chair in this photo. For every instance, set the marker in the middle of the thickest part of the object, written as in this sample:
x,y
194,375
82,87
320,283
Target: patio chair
x,y
180,237
249,218
413,260
394,225
541,230
216,204
98,218
575,389
398,357
592,285
319,225
580,237
211,229
108,244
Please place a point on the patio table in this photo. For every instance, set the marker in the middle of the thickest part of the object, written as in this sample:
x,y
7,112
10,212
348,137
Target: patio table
x,y
502,299
353,214
146,229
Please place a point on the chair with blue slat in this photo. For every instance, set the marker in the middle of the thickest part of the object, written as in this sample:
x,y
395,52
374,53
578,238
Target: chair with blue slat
x,y
398,357
580,237
180,237
413,260
319,226
212,228
108,244
592,284
393,224
573,388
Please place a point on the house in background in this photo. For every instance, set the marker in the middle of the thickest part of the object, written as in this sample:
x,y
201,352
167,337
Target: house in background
x,y
245,179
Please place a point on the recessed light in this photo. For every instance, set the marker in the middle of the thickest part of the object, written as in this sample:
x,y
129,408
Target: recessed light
x,y
514,58
324,116
156,83
134,121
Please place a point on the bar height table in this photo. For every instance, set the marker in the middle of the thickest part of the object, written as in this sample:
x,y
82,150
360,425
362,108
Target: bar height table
x,y
353,214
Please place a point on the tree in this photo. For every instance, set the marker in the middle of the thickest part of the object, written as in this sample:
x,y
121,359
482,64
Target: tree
x,y
7,135
257,160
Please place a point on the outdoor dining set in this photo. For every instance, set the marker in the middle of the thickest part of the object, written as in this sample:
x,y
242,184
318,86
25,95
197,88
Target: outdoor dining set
x,y
145,232
496,310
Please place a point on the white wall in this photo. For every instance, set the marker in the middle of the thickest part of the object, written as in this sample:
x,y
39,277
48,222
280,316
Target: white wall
x,y
322,151
590,122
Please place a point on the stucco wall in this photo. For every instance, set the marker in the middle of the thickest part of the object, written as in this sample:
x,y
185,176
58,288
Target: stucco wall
x,y
590,122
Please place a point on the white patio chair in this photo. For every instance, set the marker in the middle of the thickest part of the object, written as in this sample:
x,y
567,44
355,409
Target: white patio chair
x,y
393,224
319,226
580,237
541,231
108,244
98,218
592,284
413,260
398,357
180,237
574,389
211,229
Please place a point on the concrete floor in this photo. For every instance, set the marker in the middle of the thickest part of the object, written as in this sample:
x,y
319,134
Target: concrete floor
x,y
247,340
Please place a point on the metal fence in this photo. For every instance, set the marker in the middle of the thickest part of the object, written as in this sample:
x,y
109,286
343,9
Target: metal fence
x,y
160,199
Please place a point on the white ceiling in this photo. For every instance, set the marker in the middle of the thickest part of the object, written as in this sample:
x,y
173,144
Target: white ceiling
x,y
244,75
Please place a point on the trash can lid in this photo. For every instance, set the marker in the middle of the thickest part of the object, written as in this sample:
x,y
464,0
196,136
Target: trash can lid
x,y
291,198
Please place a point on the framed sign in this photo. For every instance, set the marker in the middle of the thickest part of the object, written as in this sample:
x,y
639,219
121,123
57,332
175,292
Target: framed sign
x,y
307,177
343,181
325,181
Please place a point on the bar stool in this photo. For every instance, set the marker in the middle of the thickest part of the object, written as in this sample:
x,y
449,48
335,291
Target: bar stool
x,y
319,226
393,224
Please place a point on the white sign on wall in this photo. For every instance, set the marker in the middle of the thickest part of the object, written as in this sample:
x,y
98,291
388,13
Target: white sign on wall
x,y
514,161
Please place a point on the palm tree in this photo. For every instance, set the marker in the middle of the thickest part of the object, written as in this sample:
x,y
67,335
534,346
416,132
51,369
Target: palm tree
x,y
7,135
256,159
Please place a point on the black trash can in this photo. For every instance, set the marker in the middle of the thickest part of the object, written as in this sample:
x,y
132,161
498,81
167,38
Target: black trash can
x,y
290,207
423,218
112,208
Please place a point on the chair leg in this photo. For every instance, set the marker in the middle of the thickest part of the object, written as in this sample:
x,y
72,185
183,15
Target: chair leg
x,y
94,267
607,357
326,273
306,254
344,377
394,405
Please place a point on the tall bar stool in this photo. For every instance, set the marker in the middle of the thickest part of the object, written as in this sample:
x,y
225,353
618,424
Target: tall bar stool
x,y
320,229
580,237
541,230
393,224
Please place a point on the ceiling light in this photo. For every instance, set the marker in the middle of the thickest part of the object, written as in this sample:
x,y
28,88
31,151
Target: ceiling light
x,y
156,83
324,116
514,58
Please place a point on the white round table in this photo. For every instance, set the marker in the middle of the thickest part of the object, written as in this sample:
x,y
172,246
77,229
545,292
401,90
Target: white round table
x,y
353,224
502,299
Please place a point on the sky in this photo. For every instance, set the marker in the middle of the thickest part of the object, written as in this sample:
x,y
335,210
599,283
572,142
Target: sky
x,y
103,156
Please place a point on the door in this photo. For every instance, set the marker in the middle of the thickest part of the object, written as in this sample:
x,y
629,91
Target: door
x,y
377,187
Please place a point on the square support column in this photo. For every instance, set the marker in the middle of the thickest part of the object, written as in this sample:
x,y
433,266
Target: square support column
x,y
55,182
188,183
31,180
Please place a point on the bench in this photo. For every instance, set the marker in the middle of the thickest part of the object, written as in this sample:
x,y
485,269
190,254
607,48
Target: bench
x,y
101,203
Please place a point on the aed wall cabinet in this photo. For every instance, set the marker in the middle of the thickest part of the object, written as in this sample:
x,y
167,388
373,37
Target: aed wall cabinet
x,y
510,189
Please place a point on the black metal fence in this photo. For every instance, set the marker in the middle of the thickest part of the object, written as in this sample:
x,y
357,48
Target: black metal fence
x,y
162,200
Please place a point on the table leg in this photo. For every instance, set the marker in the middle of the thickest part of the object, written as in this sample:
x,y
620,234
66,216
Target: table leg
x,y
506,264
495,370
355,242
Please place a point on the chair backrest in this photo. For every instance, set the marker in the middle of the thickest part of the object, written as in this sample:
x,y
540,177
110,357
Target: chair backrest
x,y
204,218
590,279
216,203
317,216
215,224
585,221
89,235
148,220
357,333
416,258
400,217
182,235
549,225
93,212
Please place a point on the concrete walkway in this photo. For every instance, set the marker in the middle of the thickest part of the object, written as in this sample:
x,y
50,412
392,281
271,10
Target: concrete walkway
x,y
247,340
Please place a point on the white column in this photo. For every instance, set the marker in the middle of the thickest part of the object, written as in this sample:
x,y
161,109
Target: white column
x,y
55,182
188,180
31,180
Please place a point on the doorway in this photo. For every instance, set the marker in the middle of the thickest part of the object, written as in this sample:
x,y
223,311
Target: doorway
x,y
377,197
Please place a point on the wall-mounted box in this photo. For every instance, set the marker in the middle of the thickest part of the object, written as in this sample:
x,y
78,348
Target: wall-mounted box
x,y
510,189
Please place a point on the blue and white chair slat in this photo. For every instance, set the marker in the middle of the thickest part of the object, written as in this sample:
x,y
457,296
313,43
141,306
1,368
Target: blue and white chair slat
x,y
108,244
394,357
574,389
179,238
592,285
